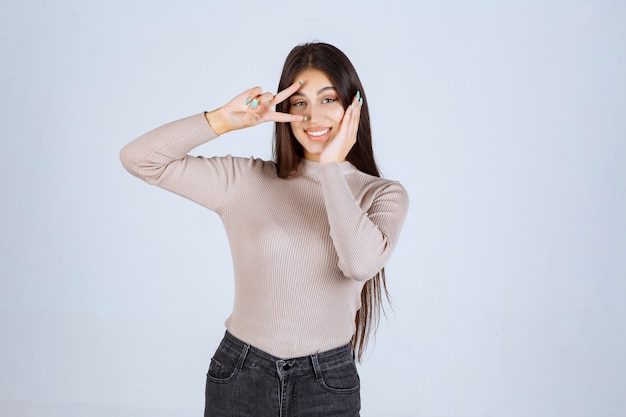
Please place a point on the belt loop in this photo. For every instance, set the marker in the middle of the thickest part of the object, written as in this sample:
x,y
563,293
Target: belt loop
x,y
242,356
316,367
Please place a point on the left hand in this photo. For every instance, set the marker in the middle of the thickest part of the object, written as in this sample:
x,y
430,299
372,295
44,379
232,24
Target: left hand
x,y
337,150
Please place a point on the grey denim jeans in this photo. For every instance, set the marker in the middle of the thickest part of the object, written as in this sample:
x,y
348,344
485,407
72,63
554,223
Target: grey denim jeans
x,y
244,381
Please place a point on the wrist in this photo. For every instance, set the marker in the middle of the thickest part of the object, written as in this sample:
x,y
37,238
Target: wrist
x,y
217,121
330,158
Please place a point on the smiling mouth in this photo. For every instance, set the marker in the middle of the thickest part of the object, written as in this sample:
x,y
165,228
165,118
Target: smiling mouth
x,y
317,134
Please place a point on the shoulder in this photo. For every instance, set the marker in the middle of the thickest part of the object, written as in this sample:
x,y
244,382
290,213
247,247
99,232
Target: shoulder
x,y
378,190
378,184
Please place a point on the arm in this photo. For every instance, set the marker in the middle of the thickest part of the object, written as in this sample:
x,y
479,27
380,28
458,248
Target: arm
x,y
160,156
363,240
149,156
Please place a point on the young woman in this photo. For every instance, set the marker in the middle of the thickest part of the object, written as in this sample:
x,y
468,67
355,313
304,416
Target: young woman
x,y
309,234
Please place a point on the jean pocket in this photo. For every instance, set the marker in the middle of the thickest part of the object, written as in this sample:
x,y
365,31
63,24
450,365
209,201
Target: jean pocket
x,y
223,367
341,379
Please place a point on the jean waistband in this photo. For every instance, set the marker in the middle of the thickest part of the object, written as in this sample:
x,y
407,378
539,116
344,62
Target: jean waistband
x,y
315,363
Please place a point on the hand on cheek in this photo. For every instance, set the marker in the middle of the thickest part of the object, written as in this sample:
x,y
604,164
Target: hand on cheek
x,y
337,150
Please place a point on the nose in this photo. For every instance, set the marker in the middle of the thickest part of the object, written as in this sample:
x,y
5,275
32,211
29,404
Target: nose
x,y
315,112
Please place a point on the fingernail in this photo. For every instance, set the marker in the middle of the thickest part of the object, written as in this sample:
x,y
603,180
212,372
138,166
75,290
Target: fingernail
x,y
248,100
305,119
255,103
352,105
301,82
361,101
358,95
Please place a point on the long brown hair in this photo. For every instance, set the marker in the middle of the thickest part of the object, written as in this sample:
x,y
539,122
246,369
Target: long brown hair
x,y
288,154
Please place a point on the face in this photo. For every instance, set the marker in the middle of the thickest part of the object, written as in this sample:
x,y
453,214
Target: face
x,y
318,100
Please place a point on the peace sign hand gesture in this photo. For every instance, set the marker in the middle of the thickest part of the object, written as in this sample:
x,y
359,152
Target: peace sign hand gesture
x,y
250,108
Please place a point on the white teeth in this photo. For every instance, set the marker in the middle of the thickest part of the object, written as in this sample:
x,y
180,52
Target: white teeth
x,y
320,133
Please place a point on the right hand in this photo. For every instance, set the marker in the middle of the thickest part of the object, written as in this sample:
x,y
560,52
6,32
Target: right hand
x,y
239,113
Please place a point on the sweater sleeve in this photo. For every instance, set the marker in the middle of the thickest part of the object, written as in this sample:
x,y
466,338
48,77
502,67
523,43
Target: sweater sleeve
x,y
363,240
160,158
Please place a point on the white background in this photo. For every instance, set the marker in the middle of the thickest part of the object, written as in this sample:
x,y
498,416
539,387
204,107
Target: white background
x,y
504,120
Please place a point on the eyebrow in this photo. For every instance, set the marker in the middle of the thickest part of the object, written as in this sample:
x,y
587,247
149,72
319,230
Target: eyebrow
x,y
320,91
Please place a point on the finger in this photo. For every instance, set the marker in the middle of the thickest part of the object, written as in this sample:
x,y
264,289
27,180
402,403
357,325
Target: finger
x,y
354,122
355,112
265,98
348,122
358,105
251,94
286,93
287,118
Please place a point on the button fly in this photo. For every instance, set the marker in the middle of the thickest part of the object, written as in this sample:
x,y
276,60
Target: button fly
x,y
285,366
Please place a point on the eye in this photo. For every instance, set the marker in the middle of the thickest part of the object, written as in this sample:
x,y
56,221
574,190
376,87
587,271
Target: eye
x,y
297,104
329,100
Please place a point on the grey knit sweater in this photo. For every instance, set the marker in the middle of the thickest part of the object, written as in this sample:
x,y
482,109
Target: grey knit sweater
x,y
302,247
